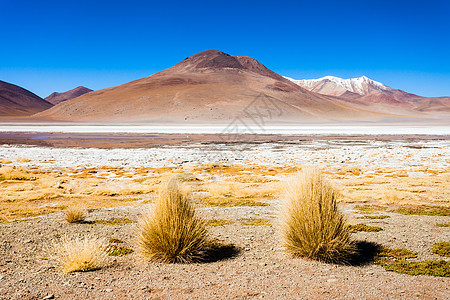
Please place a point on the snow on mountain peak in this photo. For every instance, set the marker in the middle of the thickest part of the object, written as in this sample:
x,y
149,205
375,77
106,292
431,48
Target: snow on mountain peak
x,y
331,85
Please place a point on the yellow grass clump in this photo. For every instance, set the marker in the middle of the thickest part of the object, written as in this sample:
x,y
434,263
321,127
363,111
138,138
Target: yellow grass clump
x,y
12,173
80,254
312,225
171,230
74,215
23,160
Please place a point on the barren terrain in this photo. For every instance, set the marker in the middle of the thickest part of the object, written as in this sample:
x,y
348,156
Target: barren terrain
x,y
238,187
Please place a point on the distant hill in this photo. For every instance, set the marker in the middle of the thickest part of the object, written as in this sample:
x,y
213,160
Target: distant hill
x,y
56,97
17,101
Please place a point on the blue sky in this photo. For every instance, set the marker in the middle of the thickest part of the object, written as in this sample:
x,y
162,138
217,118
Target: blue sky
x,y
51,46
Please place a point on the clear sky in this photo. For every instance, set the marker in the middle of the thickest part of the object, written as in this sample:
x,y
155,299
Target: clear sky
x,y
49,46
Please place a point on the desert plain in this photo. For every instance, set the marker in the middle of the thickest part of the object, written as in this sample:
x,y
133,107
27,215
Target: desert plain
x,y
397,185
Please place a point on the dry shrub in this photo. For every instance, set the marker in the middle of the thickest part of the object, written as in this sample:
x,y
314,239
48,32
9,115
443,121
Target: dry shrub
x,y
171,230
224,189
220,189
74,215
23,160
353,170
12,173
312,225
80,254
391,197
250,179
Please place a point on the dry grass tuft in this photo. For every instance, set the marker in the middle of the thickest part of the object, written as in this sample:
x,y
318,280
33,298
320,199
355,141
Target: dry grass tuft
x,y
312,225
171,230
74,215
12,173
23,160
391,197
80,254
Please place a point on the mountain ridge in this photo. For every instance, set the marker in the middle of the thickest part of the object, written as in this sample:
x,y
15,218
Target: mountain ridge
x,y
213,86
17,101
365,90
207,86
57,97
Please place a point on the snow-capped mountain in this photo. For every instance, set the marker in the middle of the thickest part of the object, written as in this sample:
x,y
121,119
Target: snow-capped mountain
x,y
335,86
369,93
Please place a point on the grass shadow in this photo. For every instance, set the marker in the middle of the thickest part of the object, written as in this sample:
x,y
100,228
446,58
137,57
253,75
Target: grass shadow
x,y
217,251
366,253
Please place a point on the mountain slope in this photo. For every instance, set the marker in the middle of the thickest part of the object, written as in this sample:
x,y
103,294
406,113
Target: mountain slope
x,y
363,91
210,86
56,97
17,101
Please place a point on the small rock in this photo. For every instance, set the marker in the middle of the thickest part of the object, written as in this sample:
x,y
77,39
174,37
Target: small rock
x,y
58,185
49,296
332,280
108,290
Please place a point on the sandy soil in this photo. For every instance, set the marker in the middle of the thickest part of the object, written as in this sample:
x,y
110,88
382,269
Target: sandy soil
x,y
418,169
260,270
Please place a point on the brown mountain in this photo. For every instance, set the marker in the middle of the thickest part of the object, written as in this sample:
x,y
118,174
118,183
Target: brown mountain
x,y
212,86
56,97
17,101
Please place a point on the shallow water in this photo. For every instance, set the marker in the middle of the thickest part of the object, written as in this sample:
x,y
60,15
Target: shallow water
x,y
234,129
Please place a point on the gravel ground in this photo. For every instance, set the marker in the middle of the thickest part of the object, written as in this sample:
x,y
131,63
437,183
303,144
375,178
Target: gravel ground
x,y
260,270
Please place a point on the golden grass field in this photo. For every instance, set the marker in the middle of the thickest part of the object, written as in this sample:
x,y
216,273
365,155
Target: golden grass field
x,y
27,192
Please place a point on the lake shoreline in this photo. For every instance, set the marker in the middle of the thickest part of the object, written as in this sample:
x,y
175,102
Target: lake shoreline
x,y
141,140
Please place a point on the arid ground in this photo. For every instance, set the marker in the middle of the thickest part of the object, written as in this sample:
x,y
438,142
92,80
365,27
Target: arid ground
x,y
398,186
